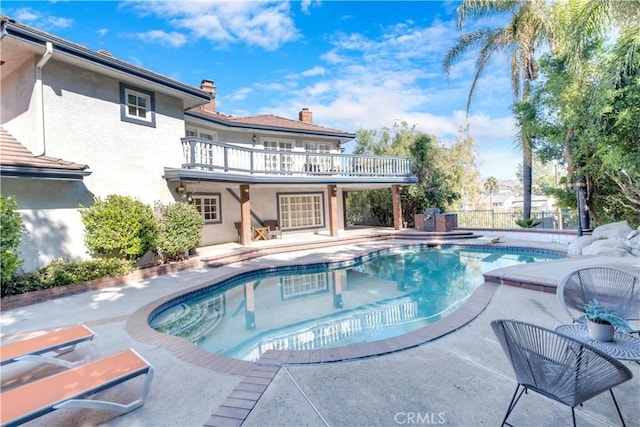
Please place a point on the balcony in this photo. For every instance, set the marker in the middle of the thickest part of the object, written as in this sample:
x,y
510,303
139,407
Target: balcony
x,y
205,159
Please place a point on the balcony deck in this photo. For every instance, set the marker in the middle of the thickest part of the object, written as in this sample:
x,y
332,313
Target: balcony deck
x,y
218,161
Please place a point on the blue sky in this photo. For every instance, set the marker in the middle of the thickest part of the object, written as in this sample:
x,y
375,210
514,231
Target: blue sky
x,y
354,64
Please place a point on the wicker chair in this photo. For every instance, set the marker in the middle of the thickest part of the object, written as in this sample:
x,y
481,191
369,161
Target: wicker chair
x,y
615,290
557,366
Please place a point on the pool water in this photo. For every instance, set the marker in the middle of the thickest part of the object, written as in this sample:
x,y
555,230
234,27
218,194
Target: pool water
x,y
379,296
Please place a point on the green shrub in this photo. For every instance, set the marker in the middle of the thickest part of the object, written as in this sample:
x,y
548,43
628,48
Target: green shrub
x,y
10,236
180,229
63,273
119,227
528,223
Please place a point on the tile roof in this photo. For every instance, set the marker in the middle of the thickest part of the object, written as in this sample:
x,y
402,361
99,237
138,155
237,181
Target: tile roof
x,y
271,121
14,154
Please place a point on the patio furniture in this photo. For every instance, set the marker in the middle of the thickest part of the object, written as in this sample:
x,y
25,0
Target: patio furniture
x,y
69,388
623,347
274,228
261,233
615,290
557,366
35,349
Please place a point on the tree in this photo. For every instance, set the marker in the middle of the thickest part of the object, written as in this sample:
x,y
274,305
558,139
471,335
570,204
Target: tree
x,y
443,173
527,28
491,185
586,109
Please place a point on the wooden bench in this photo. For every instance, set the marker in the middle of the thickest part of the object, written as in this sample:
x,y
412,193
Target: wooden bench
x,y
69,388
34,349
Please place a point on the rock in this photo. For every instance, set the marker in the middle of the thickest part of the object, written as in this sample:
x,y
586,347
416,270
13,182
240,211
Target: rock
x,y
633,242
610,247
614,230
577,245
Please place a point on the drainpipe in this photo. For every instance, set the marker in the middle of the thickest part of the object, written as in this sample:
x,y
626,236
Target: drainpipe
x,y
40,99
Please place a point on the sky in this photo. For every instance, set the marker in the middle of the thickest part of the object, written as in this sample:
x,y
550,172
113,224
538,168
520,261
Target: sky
x,y
353,64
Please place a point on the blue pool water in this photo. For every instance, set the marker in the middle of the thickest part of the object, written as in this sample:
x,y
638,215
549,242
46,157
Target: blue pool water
x,y
378,296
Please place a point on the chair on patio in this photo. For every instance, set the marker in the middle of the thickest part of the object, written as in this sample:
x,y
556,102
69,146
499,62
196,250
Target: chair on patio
x,y
35,349
557,366
615,290
274,228
68,389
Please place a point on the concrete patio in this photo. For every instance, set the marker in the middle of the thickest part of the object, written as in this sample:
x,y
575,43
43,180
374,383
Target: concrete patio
x,y
460,379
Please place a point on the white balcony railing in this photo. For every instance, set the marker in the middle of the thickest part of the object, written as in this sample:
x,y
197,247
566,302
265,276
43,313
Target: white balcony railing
x,y
205,155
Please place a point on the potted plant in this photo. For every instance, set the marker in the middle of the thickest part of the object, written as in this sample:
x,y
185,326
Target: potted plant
x,y
603,322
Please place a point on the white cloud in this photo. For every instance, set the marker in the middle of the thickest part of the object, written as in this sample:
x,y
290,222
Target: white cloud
x,y
28,16
241,94
315,71
267,25
102,31
173,39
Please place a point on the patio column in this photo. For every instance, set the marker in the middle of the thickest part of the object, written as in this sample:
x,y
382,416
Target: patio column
x,y
245,216
332,190
397,207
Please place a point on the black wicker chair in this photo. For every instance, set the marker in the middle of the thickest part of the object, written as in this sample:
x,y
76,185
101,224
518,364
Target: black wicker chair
x,y
557,366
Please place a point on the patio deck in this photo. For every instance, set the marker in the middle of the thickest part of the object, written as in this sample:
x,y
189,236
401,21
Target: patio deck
x,y
459,379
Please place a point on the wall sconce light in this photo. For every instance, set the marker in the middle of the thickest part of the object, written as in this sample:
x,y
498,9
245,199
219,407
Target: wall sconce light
x,y
334,191
254,139
245,190
181,190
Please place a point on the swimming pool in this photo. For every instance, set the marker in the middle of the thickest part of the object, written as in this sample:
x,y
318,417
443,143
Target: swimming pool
x,y
380,295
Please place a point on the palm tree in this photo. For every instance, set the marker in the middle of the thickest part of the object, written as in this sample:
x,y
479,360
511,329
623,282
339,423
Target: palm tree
x,y
491,185
526,30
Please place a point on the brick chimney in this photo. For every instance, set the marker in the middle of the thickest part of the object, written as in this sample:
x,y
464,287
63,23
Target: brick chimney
x,y
305,116
208,86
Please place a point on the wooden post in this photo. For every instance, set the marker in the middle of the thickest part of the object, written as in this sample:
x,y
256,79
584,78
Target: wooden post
x,y
245,216
332,190
397,207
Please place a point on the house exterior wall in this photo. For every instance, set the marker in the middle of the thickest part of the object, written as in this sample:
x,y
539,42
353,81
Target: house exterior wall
x,y
83,124
54,228
264,203
18,105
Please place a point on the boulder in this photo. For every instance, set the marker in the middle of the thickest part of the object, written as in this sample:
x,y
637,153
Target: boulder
x,y
577,245
633,242
614,230
610,247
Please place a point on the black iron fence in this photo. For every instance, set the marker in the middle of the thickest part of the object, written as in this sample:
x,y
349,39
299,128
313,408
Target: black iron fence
x,y
555,220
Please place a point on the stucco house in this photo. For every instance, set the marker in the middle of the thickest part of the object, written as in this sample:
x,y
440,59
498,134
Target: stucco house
x,y
78,124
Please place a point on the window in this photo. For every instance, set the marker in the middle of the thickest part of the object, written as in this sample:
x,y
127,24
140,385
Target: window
x,y
137,106
199,133
209,207
276,162
301,285
301,210
319,162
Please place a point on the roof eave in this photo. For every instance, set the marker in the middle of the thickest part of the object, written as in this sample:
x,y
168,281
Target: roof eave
x,y
42,173
192,96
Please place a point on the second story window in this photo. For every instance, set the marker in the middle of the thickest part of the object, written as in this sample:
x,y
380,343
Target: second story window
x,y
137,105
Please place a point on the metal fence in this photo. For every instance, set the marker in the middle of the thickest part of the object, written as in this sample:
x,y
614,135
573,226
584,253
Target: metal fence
x,y
555,220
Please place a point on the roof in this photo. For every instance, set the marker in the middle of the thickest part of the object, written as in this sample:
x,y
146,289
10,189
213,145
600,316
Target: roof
x,y
269,122
18,162
101,60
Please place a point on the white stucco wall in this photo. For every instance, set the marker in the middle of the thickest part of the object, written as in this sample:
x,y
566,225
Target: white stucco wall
x,y
17,105
83,124
54,228
263,204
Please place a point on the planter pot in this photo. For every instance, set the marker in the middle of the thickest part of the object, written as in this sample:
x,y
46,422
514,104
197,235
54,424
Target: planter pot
x,y
601,331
